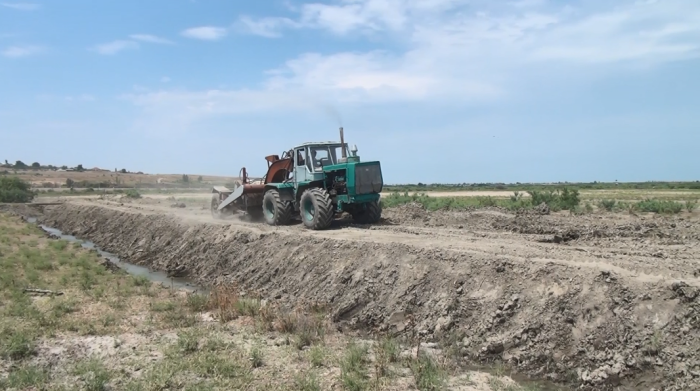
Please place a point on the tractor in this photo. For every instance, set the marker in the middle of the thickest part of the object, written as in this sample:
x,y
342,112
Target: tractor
x,y
314,181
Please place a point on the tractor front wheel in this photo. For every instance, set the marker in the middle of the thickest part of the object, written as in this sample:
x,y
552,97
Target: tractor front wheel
x,y
276,211
369,213
316,209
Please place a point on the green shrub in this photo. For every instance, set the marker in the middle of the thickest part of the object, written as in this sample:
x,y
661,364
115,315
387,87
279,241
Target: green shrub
x,y
15,190
691,205
659,206
132,193
560,199
608,205
486,201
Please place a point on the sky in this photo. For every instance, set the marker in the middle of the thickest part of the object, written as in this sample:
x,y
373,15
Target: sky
x,y
439,91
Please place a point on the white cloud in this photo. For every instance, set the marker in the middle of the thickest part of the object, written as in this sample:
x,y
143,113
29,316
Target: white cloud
x,y
22,51
150,39
448,51
207,33
115,47
22,6
600,32
266,27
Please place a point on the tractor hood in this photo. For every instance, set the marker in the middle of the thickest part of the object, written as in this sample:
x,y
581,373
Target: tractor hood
x,y
361,177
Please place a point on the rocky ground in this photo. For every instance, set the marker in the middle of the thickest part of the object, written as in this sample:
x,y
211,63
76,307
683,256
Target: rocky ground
x,y
599,301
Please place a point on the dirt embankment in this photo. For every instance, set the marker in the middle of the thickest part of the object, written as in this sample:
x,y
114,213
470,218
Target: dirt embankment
x,y
596,310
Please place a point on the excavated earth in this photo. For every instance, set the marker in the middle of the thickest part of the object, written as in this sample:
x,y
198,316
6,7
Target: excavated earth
x,y
598,302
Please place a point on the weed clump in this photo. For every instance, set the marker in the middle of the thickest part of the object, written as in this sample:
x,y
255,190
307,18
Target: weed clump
x,y
427,373
608,205
132,193
353,368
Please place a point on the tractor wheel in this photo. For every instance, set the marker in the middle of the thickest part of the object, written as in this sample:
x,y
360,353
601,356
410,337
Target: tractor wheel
x,y
316,209
276,211
370,213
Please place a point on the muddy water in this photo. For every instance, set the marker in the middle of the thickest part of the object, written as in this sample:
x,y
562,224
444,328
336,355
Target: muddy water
x,y
136,270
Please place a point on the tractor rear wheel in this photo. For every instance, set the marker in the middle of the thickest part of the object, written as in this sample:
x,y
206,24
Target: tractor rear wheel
x,y
316,209
369,213
276,211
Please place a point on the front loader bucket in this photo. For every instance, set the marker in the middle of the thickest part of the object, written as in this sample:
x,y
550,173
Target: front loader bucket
x,y
248,195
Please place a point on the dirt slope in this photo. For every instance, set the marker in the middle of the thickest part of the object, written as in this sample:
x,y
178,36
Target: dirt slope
x,y
600,301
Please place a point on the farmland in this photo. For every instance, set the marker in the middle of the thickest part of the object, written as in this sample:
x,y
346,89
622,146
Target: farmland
x,y
591,289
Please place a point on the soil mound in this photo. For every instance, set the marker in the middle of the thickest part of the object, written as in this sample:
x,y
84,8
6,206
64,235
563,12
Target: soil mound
x,y
592,328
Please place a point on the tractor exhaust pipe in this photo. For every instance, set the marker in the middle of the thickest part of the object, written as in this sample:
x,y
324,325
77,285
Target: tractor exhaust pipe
x,y
342,143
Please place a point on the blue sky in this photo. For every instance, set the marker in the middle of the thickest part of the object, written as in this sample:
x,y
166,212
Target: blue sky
x,y
438,90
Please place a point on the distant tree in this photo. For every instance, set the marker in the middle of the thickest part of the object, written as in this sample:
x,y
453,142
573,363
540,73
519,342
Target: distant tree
x,y
80,168
20,164
185,178
70,183
199,178
123,171
7,163
36,165
64,167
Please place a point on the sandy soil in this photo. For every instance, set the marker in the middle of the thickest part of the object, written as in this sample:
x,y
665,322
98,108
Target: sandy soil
x,y
602,301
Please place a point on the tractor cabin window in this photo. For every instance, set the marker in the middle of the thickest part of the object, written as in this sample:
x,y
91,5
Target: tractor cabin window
x,y
322,156
300,156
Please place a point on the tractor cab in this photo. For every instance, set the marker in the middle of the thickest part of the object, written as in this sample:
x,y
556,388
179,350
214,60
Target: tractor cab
x,y
310,159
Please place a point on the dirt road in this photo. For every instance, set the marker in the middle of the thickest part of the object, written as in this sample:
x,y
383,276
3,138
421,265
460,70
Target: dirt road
x,y
607,301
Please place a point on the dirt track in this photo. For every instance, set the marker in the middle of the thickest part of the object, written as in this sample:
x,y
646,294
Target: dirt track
x,y
594,300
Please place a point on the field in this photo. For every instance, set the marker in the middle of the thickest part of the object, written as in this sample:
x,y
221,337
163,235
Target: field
x,y
44,180
602,295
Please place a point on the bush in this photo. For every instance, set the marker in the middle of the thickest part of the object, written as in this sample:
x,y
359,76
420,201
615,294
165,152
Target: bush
x,y
14,190
659,206
608,205
133,193
557,200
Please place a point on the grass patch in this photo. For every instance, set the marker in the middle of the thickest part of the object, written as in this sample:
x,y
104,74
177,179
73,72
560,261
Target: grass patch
x,y
94,374
427,373
25,377
307,381
17,345
317,356
353,367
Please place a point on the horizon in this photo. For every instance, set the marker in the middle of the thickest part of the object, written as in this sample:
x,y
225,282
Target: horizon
x,y
88,169
529,91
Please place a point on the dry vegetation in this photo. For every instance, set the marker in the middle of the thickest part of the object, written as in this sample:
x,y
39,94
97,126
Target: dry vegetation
x,y
97,329
54,179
